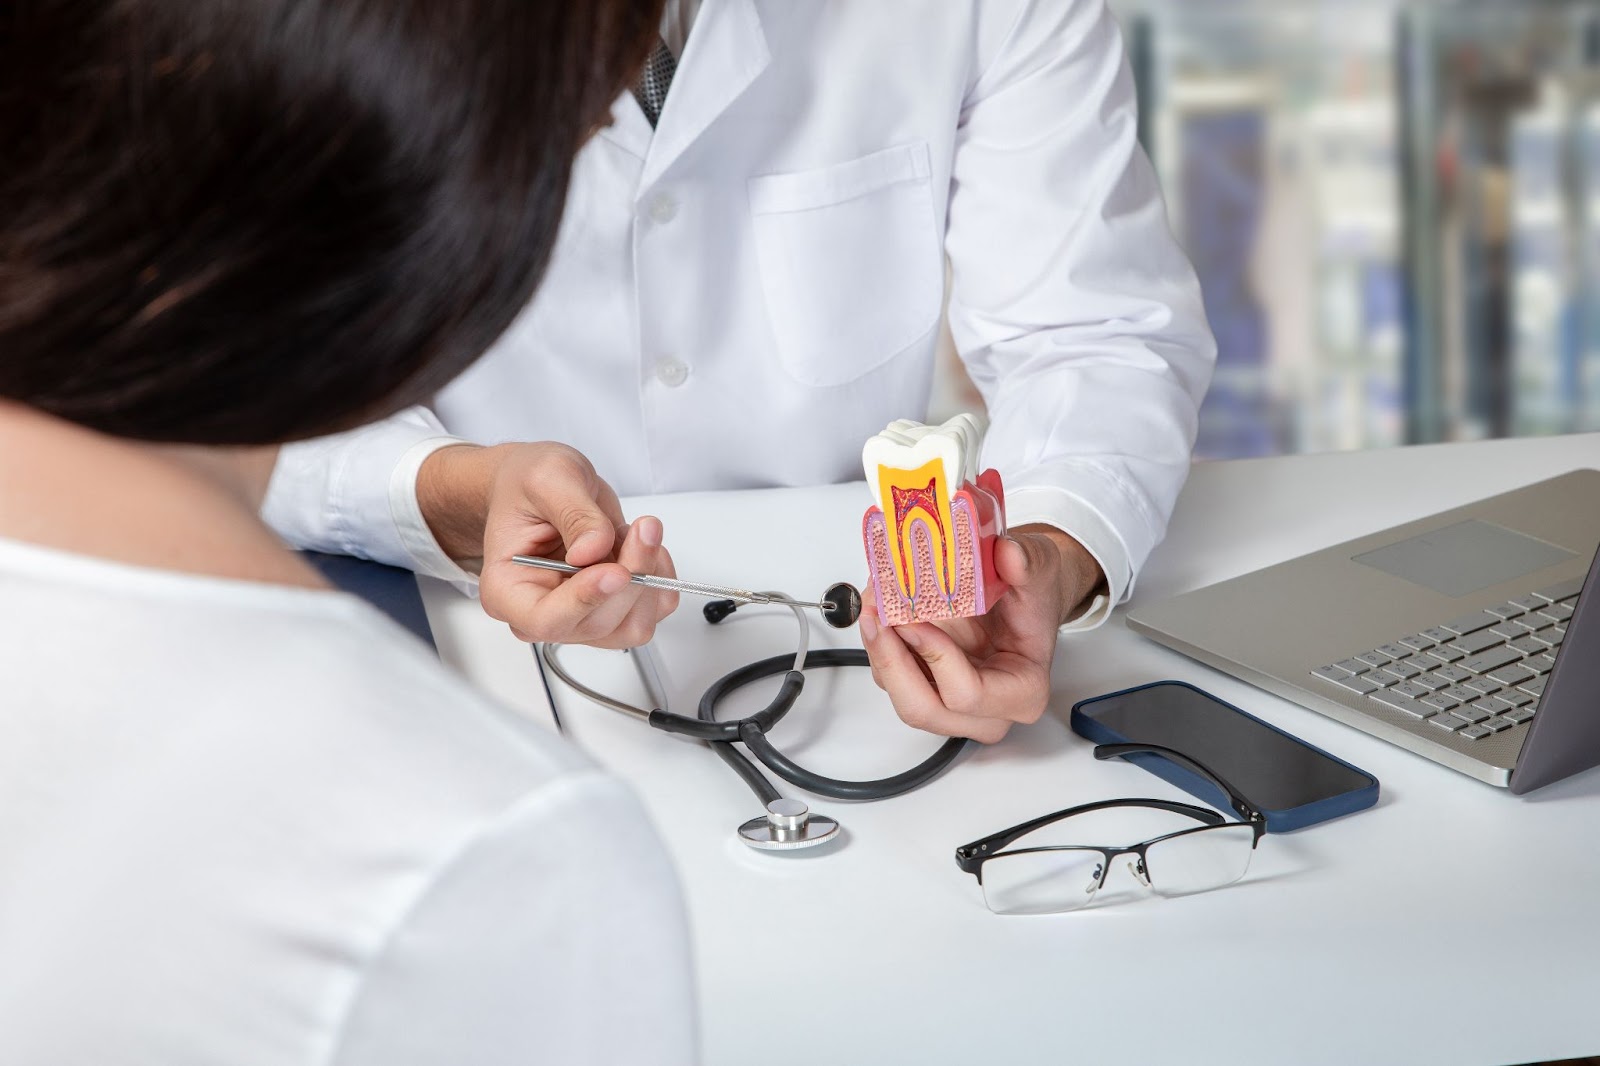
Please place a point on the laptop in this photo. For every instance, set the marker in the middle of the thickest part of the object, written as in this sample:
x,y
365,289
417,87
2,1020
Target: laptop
x,y
1471,637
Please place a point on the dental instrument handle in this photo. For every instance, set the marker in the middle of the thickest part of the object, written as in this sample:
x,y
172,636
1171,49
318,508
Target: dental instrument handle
x,y
714,592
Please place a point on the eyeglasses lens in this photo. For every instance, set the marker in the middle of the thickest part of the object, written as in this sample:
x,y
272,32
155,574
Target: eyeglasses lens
x,y
1042,882
1052,880
1200,860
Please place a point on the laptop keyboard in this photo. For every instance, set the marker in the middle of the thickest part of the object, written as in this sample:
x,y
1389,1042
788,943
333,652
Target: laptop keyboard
x,y
1473,676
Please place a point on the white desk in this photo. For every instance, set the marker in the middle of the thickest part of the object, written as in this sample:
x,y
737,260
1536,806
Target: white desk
x,y
1453,923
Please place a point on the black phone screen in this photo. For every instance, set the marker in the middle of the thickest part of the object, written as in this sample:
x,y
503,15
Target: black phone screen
x,y
1271,769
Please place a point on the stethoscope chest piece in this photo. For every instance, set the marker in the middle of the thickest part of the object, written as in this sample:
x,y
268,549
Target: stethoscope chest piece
x,y
787,825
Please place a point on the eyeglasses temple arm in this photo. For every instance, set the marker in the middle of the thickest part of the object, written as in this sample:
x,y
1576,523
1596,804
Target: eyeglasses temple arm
x,y
1241,806
971,856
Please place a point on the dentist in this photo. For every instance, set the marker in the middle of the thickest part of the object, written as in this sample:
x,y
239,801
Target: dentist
x,y
749,282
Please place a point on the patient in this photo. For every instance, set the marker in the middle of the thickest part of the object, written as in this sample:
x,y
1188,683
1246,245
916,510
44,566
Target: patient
x,y
243,818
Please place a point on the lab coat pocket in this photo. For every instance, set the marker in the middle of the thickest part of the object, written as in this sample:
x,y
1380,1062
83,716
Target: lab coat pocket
x,y
851,262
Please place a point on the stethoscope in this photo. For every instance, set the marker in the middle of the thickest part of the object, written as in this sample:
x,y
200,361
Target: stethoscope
x,y
788,823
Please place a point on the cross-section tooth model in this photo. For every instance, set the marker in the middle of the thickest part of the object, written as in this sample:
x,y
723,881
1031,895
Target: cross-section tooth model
x,y
930,539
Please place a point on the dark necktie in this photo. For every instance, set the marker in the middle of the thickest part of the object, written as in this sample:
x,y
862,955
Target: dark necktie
x,y
654,81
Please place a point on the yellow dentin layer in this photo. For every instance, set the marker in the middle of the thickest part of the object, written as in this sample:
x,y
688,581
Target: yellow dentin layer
x,y
923,492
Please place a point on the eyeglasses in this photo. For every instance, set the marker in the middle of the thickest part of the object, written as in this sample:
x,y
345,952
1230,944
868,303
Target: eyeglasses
x,y
1056,878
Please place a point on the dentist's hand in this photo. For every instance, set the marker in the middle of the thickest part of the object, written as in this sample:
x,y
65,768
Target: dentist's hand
x,y
977,677
485,505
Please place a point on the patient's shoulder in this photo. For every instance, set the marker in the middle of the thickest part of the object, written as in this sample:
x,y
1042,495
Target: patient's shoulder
x,y
364,686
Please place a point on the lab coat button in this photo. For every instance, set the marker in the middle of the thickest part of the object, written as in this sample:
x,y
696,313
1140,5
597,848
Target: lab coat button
x,y
663,209
672,372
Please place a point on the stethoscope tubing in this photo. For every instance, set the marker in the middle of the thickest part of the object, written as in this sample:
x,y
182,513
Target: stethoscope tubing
x,y
752,729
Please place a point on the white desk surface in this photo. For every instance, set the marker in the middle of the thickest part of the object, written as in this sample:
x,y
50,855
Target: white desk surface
x,y
1453,923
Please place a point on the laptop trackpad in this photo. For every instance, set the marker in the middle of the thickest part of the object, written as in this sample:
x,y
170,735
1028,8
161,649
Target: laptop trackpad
x,y
1461,559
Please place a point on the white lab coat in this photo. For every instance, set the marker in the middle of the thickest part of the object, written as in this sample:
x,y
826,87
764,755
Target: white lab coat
x,y
742,296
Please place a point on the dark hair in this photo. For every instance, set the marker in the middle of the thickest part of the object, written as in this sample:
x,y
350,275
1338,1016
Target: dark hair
x,y
250,221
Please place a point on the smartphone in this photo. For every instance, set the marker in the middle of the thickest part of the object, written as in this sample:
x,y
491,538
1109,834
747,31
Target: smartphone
x,y
1288,780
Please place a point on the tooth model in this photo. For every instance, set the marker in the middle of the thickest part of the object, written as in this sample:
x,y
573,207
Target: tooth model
x,y
930,537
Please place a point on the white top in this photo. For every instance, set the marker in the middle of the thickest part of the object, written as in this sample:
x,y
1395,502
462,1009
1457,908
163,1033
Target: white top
x,y
741,297
256,825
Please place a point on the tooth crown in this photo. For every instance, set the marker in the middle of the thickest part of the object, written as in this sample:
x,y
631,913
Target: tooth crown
x,y
930,536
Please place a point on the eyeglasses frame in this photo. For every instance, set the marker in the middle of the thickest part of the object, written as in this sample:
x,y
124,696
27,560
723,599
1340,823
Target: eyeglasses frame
x,y
971,857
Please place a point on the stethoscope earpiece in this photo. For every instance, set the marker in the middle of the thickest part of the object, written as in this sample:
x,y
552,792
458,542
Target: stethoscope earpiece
x,y
717,610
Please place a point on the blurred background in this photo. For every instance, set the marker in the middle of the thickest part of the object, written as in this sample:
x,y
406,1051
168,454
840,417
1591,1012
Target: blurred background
x,y
1394,209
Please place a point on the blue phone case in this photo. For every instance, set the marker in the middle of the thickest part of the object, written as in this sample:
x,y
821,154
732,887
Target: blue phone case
x,y
1278,821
